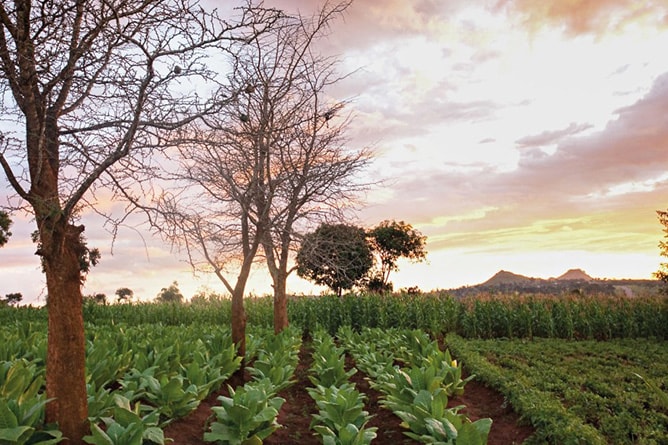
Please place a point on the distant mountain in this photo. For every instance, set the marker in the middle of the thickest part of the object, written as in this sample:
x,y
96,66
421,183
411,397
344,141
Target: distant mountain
x,y
573,281
505,277
575,274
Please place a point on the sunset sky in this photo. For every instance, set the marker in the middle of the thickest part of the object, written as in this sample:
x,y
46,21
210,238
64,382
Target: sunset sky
x,y
529,136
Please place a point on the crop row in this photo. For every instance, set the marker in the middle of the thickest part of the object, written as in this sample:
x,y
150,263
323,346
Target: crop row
x,y
417,392
139,379
248,415
578,392
341,418
569,317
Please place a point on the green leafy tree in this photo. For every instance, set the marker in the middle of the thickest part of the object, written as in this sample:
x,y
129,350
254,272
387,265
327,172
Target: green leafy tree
x,y
14,298
390,241
99,298
335,255
170,294
662,273
5,224
124,294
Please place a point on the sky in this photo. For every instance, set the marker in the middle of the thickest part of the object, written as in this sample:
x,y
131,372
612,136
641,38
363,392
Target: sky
x,y
529,136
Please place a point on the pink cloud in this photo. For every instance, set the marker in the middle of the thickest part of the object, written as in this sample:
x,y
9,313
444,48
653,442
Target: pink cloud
x,y
551,137
586,16
575,182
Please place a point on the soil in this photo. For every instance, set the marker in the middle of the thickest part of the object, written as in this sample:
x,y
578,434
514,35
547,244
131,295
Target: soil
x,y
295,414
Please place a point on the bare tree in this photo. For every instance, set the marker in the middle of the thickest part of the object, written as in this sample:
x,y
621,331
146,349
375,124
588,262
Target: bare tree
x,y
96,86
312,175
274,163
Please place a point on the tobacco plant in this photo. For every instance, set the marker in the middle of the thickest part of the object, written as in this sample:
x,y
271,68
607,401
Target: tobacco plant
x,y
247,417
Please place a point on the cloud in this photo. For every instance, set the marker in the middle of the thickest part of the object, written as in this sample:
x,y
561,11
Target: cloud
x,y
603,186
578,17
550,137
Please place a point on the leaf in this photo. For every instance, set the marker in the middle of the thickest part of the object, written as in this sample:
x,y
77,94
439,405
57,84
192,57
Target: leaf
x,y
44,437
7,417
98,437
155,435
252,441
16,435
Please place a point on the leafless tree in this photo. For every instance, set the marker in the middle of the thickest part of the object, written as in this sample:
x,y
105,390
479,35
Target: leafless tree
x,y
273,163
88,89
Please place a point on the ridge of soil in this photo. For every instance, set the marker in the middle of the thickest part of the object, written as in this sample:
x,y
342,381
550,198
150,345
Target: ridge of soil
x,y
295,414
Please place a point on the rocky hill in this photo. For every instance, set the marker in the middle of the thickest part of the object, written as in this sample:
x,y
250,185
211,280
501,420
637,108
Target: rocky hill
x,y
574,281
505,277
575,274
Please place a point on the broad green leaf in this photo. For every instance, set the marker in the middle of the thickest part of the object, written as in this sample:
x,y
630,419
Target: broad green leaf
x,y
7,417
16,435
98,436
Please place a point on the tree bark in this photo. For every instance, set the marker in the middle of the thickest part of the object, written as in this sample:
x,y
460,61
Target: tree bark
x,y
239,324
65,363
280,304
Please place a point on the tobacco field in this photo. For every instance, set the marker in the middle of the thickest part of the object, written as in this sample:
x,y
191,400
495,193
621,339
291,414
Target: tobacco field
x,y
574,369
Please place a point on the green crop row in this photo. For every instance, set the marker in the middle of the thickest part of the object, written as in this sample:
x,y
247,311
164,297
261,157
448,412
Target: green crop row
x,y
249,414
490,316
341,418
418,393
576,392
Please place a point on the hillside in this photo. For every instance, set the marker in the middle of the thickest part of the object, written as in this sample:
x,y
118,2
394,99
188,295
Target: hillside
x,y
575,274
572,281
505,277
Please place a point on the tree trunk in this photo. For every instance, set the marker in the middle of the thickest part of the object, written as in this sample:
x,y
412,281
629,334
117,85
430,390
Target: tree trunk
x,y
65,363
239,324
280,304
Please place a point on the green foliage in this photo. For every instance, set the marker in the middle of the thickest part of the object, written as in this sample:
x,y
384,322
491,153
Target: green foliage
x,y
277,358
392,240
13,298
418,394
22,404
662,273
660,394
577,392
88,257
170,294
124,294
127,426
247,417
328,368
430,421
341,418
5,224
570,391
335,255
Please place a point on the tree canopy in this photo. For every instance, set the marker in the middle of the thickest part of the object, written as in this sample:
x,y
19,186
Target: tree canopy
x,y
170,294
662,273
271,164
392,240
13,298
124,294
335,255
5,224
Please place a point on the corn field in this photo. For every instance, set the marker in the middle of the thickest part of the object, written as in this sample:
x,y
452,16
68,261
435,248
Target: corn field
x,y
483,317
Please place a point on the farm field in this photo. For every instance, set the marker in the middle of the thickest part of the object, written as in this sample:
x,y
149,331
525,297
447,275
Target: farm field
x,y
352,370
613,391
